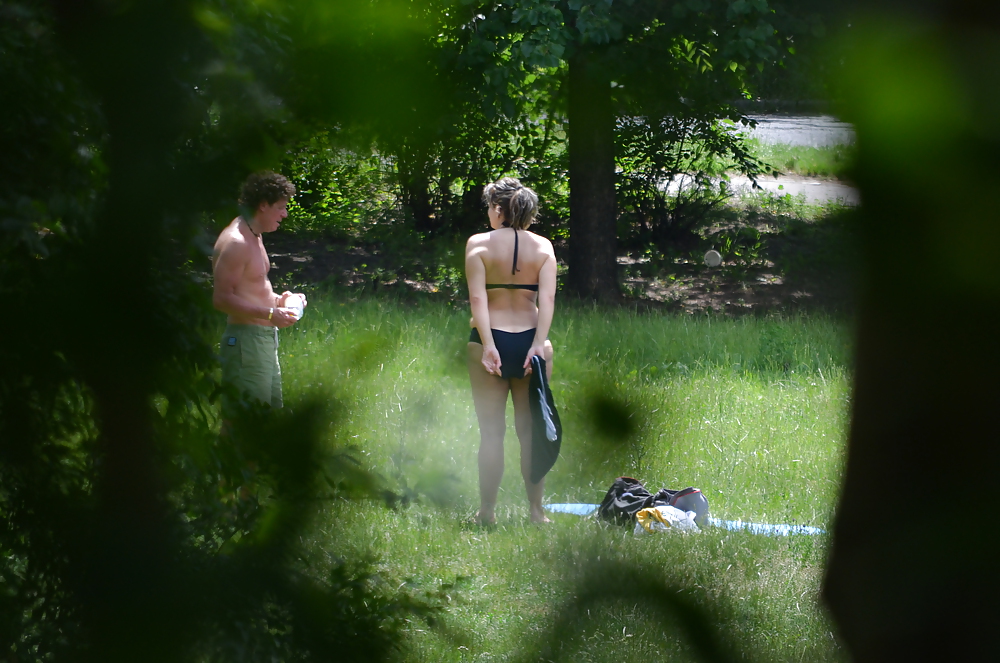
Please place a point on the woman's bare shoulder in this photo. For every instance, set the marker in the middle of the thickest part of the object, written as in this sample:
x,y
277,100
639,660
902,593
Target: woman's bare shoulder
x,y
542,243
478,239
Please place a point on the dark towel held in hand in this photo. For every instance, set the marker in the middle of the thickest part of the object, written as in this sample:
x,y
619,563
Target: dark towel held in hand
x,y
546,431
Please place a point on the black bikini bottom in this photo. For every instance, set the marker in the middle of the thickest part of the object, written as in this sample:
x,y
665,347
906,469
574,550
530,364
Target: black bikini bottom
x,y
513,348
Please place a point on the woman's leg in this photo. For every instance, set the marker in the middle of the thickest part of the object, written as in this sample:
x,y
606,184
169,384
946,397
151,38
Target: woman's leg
x,y
522,424
549,353
489,393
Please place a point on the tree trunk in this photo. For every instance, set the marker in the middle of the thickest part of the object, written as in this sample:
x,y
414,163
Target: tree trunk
x,y
415,187
913,570
593,227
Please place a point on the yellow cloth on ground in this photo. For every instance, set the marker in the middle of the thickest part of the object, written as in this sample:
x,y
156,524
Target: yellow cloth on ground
x,y
664,519
646,518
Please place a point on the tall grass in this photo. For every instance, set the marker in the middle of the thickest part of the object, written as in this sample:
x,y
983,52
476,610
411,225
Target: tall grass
x,y
753,411
832,161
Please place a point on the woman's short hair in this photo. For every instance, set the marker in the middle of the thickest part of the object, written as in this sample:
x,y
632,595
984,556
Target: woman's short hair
x,y
265,187
518,203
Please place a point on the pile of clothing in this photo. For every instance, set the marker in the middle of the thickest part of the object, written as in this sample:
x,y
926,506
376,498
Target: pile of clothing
x,y
628,502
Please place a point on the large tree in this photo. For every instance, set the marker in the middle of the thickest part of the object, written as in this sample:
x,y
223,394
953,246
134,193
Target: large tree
x,y
634,57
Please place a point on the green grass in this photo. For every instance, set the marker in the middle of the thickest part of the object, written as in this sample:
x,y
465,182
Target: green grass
x,y
753,411
832,161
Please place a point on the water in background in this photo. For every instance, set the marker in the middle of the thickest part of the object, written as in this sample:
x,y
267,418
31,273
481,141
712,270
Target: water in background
x,y
807,130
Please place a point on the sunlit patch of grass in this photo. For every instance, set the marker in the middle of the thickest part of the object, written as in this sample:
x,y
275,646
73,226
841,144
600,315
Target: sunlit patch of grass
x,y
753,411
833,161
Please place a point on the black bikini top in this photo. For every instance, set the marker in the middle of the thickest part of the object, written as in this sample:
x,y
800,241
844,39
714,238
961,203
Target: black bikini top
x,y
513,286
513,269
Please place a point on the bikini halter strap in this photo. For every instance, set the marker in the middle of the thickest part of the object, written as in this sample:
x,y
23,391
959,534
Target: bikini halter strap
x,y
513,267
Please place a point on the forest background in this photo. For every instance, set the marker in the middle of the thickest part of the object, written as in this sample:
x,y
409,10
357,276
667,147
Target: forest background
x,y
128,127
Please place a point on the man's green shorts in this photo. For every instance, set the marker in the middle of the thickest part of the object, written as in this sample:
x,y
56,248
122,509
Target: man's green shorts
x,y
249,355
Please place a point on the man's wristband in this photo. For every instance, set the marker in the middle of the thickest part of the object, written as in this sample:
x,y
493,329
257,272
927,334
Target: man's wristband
x,y
270,312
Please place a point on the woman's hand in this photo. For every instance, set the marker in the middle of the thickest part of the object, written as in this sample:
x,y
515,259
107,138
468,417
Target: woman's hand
x,y
537,349
491,360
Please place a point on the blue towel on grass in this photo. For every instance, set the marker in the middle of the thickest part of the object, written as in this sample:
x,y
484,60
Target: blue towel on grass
x,y
732,525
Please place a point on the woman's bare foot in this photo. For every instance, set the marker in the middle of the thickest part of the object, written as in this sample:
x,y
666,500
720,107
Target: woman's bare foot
x,y
485,518
538,516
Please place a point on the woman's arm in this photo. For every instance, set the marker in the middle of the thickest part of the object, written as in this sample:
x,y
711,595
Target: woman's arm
x,y
475,276
546,305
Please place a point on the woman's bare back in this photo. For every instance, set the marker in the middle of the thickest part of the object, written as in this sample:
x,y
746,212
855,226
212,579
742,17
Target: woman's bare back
x,y
511,309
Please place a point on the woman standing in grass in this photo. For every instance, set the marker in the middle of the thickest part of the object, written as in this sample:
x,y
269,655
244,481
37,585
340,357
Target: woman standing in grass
x,y
512,287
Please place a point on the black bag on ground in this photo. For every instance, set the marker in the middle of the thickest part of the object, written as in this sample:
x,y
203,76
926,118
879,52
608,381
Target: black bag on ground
x,y
627,497
546,429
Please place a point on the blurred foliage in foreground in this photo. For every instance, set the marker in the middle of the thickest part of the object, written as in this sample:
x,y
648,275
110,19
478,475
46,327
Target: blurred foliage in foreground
x,y
131,530
923,83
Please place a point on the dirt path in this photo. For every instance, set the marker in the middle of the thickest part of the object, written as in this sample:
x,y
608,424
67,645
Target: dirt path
x,y
816,191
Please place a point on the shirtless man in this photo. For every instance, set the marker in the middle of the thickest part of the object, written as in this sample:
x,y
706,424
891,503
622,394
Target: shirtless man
x,y
242,291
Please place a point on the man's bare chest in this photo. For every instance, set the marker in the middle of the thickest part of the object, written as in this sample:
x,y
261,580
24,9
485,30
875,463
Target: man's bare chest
x,y
258,266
